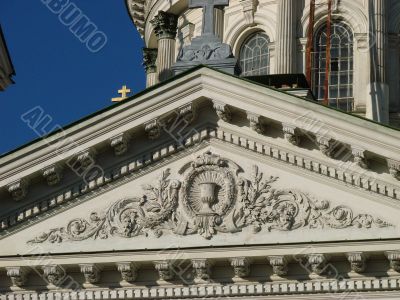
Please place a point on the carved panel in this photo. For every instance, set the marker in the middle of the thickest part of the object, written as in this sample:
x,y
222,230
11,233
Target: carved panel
x,y
211,197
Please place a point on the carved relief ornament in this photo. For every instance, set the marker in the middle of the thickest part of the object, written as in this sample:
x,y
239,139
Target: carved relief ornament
x,y
212,197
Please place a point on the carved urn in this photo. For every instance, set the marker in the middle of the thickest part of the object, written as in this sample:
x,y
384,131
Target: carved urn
x,y
207,197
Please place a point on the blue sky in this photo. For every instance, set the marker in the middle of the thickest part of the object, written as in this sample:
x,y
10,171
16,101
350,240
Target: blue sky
x,y
58,72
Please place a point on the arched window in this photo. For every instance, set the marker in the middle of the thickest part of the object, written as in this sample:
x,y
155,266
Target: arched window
x,y
254,55
341,66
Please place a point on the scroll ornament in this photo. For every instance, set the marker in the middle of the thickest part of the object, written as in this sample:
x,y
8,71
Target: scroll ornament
x,y
212,198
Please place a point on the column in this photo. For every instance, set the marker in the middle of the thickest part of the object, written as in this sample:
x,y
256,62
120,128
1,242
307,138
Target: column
x,y
286,37
150,65
165,26
378,106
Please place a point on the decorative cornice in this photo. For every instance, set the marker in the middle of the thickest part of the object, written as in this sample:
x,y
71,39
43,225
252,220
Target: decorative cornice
x,y
18,189
128,271
255,122
202,269
214,290
165,25
350,130
73,193
53,174
91,273
394,168
223,111
120,143
165,270
317,263
187,112
241,266
357,261
290,134
53,274
150,60
325,144
18,275
394,260
359,158
279,264
87,157
153,129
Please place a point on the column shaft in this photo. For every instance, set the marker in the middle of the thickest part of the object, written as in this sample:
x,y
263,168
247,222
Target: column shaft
x,y
166,58
381,40
165,27
286,37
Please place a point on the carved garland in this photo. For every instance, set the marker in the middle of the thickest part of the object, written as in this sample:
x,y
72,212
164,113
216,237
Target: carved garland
x,y
210,199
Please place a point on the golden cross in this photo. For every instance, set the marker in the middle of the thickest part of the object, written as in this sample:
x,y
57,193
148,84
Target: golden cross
x,y
124,94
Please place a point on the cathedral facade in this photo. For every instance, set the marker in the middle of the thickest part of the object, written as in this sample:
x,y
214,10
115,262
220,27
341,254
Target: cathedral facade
x,y
365,67
228,177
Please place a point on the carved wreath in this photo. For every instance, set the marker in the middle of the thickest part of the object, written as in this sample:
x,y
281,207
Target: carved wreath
x,y
210,199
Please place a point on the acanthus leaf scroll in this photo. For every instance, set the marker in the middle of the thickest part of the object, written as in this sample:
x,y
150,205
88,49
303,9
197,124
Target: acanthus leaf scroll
x,y
210,199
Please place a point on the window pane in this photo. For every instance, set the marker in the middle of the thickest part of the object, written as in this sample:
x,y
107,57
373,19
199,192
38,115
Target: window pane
x,y
341,65
254,55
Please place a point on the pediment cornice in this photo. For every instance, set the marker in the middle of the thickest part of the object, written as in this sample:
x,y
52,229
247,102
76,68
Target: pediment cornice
x,y
159,157
261,105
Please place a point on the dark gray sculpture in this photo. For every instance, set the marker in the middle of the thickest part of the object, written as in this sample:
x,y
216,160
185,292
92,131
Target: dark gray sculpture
x,y
208,48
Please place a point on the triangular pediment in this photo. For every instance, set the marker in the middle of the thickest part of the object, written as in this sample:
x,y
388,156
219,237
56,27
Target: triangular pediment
x,y
256,136
212,195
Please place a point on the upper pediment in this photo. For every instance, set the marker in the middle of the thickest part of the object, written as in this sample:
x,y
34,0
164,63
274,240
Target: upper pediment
x,y
212,196
201,107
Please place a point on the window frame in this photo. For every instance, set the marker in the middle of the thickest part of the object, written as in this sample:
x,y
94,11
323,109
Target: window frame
x,y
341,81
262,69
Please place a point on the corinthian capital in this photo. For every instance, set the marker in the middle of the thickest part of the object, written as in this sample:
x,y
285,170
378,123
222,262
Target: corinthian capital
x,y
165,25
150,59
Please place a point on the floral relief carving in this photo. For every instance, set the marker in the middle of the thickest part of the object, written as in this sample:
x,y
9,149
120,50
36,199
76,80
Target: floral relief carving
x,y
210,198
